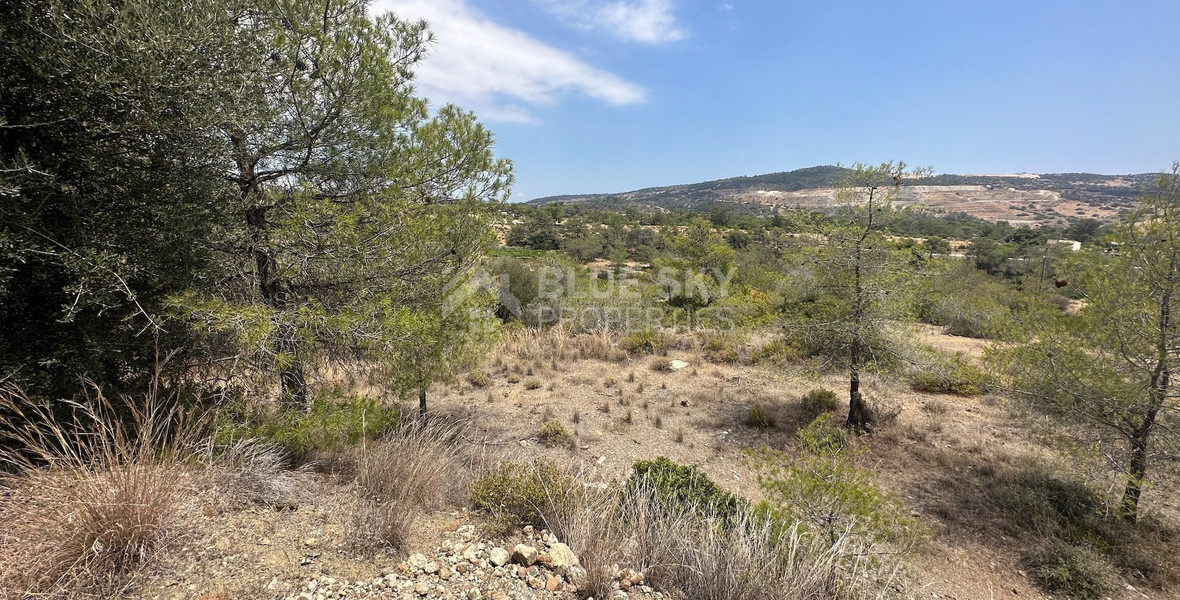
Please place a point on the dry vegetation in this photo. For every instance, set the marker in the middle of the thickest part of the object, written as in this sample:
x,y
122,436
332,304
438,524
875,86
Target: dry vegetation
x,y
110,518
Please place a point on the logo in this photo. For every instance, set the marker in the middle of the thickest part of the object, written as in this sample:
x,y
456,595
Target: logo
x,y
460,289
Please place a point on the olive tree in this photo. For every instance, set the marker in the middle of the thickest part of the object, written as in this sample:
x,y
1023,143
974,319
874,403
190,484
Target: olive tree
x,y
111,180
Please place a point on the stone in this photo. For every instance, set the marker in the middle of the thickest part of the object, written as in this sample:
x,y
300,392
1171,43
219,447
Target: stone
x,y
561,558
470,553
444,573
498,556
552,583
524,555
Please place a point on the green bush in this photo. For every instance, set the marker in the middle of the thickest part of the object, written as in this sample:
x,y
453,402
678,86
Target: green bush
x,y
553,433
819,401
777,352
759,418
519,494
649,341
950,376
685,487
333,424
1076,571
720,349
822,487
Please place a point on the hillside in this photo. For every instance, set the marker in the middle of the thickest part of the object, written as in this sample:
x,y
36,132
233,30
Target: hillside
x,y
1021,199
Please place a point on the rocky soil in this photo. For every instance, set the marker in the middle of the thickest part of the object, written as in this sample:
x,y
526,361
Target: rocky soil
x,y
465,567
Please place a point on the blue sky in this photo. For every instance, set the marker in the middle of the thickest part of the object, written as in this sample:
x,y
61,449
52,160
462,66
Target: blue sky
x,y
614,95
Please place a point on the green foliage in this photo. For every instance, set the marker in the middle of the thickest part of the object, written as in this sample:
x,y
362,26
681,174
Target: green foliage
x,y
521,280
821,487
648,341
720,348
819,401
968,303
112,185
1110,368
778,352
685,488
332,425
519,494
759,417
553,433
953,375
1075,571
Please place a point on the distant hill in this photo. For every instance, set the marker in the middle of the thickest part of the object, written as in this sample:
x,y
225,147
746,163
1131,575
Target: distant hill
x,y
1021,199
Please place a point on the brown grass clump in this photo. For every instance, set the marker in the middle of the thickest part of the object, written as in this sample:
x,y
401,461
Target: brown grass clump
x,y
99,491
417,468
251,471
689,552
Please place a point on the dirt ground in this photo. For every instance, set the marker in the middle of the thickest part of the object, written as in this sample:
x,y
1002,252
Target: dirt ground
x,y
939,454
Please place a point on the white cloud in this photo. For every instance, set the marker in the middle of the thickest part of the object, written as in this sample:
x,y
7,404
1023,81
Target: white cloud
x,y
496,71
649,21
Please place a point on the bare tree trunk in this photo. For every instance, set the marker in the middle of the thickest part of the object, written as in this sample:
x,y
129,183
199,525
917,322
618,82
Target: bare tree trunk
x,y
860,416
422,402
292,382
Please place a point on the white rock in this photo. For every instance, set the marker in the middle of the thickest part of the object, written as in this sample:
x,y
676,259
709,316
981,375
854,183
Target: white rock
x,y
498,556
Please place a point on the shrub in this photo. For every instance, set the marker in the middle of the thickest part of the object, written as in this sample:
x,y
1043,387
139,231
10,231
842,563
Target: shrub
x,y
759,418
777,352
1037,499
645,342
1073,570
477,378
691,553
253,471
416,468
532,384
822,487
519,494
333,425
553,433
684,486
950,376
819,401
720,349
661,364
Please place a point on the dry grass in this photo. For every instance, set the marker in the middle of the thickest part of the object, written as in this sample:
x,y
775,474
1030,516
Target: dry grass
x,y
688,552
254,472
99,491
416,468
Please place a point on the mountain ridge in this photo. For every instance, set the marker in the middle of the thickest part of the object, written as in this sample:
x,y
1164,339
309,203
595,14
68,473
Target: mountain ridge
x,y
1020,198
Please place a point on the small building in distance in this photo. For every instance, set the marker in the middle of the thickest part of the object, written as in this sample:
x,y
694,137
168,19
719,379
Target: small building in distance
x,y
1071,245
